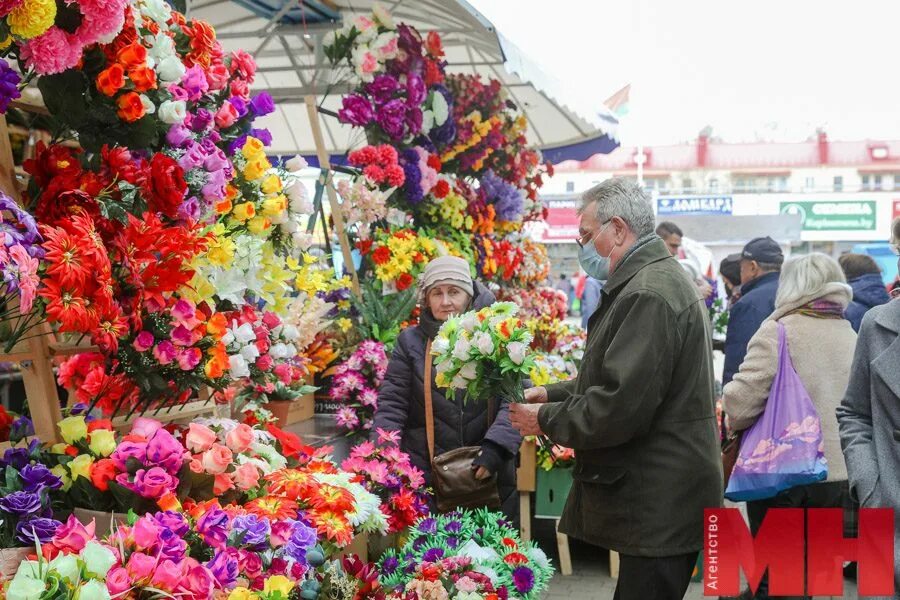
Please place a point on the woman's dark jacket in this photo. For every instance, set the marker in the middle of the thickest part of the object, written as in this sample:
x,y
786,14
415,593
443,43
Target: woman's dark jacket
x,y
401,407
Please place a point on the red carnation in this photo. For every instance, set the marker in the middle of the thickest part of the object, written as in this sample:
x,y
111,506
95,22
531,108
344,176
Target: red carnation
x,y
363,156
374,173
395,175
404,281
381,255
441,189
434,161
387,155
165,188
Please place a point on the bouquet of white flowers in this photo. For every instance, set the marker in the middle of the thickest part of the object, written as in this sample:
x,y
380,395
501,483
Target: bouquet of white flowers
x,y
484,352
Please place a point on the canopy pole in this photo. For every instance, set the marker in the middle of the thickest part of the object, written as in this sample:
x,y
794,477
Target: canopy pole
x,y
336,214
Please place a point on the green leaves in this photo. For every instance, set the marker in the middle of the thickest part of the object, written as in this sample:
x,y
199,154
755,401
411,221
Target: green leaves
x,y
381,316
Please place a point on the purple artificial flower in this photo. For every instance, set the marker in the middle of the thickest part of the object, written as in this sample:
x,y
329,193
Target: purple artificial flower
x,y
216,161
20,429
453,527
224,568
37,477
195,83
389,565
202,120
444,135
302,539
237,144
41,528
189,209
250,531
507,201
414,120
357,110
213,526
415,91
382,88
452,542
214,187
262,104
172,521
9,85
523,579
392,119
21,503
178,136
16,458
412,186
433,555
263,135
427,526
240,105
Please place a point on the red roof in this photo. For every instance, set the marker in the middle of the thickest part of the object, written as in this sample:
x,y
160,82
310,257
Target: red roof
x,y
762,157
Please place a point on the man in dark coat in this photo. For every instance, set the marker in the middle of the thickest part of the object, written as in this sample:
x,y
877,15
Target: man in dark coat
x,y
401,402
761,262
641,414
869,291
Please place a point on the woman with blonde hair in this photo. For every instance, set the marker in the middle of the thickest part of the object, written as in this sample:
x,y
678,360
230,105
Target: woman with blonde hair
x,y
809,306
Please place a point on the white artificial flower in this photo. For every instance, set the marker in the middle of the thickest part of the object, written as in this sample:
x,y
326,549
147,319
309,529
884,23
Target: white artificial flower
x,y
444,366
516,352
280,350
302,240
440,346
298,163
171,69
289,332
299,198
98,559
469,322
245,334
440,108
149,107
386,46
382,15
67,566
469,371
92,589
427,121
250,352
160,46
477,553
25,588
157,10
458,383
462,350
238,366
172,112
270,455
538,556
290,226
483,342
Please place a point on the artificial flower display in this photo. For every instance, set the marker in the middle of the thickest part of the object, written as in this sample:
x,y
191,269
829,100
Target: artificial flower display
x,y
26,515
355,385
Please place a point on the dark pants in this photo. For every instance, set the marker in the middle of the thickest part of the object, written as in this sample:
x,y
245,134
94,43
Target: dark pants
x,y
834,494
646,578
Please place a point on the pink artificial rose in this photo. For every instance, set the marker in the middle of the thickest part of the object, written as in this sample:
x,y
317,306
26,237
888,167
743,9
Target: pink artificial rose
x,y
369,63
117,581
246,477
189,359
250,564
264,362
185,312
240,88
165,352
217,459
217,76
262,344
226,116
165,451
145,427
167,576
283,373
153,483
200,438
242,63
146,532
271,320
72,536
143,341
239,438
140,566
182,336
196,465
198,582
281,533
222,484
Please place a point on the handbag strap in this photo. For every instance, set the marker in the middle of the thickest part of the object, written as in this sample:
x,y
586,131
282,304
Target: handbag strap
x,y
429,404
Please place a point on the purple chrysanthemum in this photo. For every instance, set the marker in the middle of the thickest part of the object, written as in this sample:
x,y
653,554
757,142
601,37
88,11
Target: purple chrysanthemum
x,y
523,579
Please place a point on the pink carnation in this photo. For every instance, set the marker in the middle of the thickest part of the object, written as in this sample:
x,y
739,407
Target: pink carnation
x,y
102,20
7,6
54,51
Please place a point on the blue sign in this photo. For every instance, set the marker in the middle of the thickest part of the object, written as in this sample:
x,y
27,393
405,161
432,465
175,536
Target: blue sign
x,y
694,205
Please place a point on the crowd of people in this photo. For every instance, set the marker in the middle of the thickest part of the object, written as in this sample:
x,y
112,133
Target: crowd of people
x,y
642,412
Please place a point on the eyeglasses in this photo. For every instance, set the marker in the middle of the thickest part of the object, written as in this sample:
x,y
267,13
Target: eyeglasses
x,y
583,244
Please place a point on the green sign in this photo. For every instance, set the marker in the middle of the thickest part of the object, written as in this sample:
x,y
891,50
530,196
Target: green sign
x,y
848,215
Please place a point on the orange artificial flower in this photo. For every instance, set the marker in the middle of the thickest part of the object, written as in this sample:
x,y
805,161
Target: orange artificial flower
x,y
102,472
292,483
130,107
276,508
217,325
143,78
332,525
169,502
132,55
111,80
223,207
332,497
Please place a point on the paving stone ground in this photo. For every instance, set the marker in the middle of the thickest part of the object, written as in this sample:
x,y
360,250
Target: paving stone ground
x,y
590,579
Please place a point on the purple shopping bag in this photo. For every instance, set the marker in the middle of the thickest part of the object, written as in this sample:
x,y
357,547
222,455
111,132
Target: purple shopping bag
x,y
784,448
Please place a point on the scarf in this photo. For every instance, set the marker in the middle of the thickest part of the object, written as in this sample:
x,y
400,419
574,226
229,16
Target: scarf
x,y
821,309
640,243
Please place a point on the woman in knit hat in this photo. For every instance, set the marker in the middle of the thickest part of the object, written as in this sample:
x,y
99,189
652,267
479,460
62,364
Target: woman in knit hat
x,y
446,288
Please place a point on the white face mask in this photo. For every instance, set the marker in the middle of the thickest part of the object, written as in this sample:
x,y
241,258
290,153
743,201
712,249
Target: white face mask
x,y
594,265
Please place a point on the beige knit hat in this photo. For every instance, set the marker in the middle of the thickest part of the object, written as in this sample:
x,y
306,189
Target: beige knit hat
x,y
445,270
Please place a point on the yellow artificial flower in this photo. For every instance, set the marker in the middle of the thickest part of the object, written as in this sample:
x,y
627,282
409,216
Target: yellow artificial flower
x,y
199,289
278,584
61,472
220,252
274,205
59,448
31,18
6,43
258,225
271,184
244,211
103,442
253,148
345,324
73,429
256,168
81,466
242,593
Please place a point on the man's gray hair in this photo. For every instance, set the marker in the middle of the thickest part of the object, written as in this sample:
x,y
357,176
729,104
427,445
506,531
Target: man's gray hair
x,y
623,198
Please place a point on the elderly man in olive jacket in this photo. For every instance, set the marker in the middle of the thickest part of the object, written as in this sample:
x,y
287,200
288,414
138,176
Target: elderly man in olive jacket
x,y
641,414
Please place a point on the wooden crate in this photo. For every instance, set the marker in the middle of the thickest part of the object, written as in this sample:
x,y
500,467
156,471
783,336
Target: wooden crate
x,y
288,412
359,546
525,473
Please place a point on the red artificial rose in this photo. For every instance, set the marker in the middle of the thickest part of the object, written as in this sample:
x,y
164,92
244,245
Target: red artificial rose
x,y
102,472
131,108
165,187
433,44
404,281
381,255
441,189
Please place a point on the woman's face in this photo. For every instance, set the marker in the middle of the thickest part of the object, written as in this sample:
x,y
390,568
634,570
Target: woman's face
x,y
447,300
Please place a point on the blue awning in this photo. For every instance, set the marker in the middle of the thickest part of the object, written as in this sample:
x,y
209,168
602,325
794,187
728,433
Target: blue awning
x,y
580,150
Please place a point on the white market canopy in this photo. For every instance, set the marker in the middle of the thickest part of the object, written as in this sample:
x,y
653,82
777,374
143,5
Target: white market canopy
x,y
285,37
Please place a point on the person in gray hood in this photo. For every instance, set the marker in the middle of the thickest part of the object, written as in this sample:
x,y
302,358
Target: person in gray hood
x,y
446,288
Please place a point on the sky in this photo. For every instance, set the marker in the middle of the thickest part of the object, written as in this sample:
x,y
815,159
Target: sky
x,y
773,70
